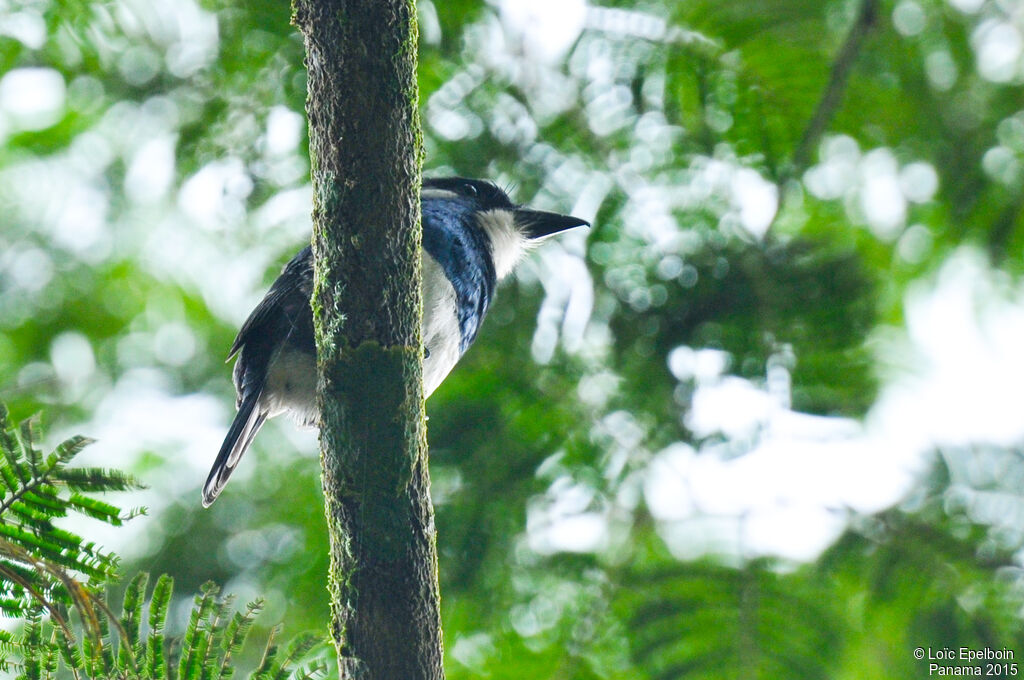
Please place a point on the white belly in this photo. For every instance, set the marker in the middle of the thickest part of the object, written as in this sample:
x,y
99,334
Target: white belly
x,y
291,380
441,334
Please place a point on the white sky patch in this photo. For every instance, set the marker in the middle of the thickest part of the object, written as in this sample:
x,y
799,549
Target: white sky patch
x,y
757,199
797,532
284,130
961,383
32,98
216,194
1001,164
151,171
687,363
72,357
289,208
27,26
30,270
81,217
563,520
791,495
548,28
197,39
964,335
832,178
919,181
915,244
568,301
967,6
875,188
174,344
430,24
138,415
139,64
732,406
745,201
584,532
999,46
881,198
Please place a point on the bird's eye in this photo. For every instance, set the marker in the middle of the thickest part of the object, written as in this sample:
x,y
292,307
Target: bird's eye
x,y
471,189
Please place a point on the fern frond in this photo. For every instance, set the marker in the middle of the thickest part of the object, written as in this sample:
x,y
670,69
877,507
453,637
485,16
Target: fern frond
x,y
297,649
156,660
28,433
97,509
214,635
71,655
32,641
68,449
234,636
188,666
39,598
263,671
131,617
47,573
314,671
39,562
93,480
51,657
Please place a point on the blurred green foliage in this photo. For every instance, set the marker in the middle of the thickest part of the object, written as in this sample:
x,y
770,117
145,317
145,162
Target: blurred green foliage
x,y
153,177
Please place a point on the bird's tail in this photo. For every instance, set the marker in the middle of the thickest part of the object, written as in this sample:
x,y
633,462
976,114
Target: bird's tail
x,y
244,427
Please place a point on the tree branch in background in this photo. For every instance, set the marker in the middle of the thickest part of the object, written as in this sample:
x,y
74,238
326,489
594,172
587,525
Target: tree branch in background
x,y
366,148
836,87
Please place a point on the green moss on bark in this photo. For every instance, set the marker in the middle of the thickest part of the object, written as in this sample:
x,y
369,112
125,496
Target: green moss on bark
x,y
366,150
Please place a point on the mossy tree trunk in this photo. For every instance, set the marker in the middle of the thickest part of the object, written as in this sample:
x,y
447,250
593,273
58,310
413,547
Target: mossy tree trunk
x,y
366,148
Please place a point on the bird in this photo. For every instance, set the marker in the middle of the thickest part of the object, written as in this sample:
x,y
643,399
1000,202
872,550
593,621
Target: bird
x,y
473,237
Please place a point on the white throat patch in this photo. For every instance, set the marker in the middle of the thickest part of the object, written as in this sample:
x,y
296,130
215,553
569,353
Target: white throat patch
x,y
508,244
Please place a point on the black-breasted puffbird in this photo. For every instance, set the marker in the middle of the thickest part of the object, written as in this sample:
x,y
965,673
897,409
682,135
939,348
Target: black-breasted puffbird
x,y
473,236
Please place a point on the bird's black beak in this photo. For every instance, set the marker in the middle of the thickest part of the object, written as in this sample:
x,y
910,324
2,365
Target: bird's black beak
x,y
538,224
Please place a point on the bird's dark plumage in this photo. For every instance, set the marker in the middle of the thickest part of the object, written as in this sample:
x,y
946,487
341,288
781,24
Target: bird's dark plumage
x,y
472,236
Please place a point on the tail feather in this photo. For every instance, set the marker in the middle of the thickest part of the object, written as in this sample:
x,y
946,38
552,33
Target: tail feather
x,y
243,429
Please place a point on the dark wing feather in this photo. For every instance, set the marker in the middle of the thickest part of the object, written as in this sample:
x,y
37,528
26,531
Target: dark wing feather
x,y
289,294
269,327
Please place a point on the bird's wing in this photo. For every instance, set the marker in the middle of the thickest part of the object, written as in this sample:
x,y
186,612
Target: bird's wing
x,y
286,301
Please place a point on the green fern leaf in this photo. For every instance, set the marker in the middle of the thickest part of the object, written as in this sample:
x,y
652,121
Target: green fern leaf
x,y
188,666
32,643
213,640
70,653
12,458
10,481
40,570
156,661
44,497
37,559
52,656
235,634
297,649
93,480
131,616
27,434
313,671
264,670
96,509
68,449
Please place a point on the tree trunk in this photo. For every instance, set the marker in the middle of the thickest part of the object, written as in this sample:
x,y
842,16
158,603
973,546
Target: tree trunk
x,y
365,148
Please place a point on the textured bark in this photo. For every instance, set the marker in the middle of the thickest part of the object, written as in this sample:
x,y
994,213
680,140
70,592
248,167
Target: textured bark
x,y
366,147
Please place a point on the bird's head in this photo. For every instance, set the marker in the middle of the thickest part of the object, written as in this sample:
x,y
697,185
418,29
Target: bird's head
x,y
511,229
